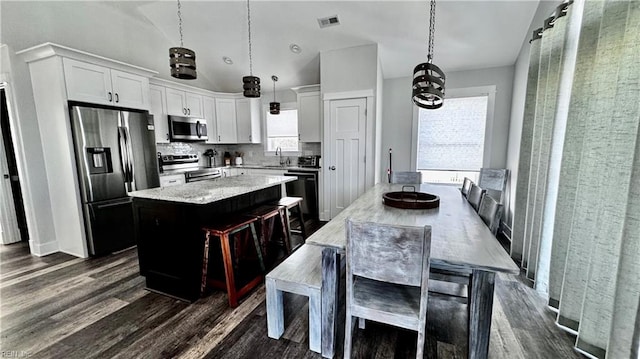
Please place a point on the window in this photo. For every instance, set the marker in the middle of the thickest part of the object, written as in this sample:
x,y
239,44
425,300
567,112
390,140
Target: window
x,y
282,131
451,140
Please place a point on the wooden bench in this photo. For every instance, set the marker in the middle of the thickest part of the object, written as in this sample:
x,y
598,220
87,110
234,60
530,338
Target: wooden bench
x,y
301,274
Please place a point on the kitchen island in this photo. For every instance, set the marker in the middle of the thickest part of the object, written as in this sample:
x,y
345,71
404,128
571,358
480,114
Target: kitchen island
x,y
169,222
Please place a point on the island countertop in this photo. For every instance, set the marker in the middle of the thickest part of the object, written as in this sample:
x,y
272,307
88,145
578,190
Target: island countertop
x,y
206,192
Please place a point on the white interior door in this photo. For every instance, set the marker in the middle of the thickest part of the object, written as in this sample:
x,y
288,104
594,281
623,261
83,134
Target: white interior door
x,y
9,231
347,142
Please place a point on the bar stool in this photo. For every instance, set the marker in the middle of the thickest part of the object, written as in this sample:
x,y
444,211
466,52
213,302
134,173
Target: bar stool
x,y
290,203
266,215
226,231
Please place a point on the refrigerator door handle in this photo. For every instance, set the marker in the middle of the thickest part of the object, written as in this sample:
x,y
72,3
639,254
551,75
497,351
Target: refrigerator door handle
x,y
132,178
124,156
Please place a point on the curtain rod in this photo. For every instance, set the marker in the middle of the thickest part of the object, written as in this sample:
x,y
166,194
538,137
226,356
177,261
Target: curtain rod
x,y
561,10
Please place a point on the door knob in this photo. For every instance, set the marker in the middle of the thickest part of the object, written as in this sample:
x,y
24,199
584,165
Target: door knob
x,y
6,176
333,168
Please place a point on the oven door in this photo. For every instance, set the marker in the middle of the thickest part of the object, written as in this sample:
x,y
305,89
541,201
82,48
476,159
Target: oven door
x,y
187,128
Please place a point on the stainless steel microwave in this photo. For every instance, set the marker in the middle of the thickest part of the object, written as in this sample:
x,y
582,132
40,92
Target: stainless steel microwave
x,y
187,128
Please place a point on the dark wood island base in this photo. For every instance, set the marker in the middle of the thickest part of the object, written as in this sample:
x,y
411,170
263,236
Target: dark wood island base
x,y
171,240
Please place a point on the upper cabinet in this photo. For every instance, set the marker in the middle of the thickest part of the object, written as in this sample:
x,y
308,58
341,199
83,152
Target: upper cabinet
x,y
182,103
309,116
101,85
158,108
248,120
225,111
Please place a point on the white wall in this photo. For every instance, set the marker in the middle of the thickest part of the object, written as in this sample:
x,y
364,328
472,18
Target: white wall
x,y
31,166
397,114
378,130
545,8
350,69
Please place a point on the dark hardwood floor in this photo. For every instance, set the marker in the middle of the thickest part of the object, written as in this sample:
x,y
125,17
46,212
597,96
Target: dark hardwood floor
x,y
63,307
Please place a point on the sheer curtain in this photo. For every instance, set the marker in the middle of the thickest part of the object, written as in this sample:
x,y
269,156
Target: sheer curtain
x,y
577,219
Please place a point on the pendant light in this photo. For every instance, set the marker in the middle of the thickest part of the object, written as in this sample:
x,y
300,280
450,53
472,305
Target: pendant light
x,y
274,107
182,60
250,84
428,79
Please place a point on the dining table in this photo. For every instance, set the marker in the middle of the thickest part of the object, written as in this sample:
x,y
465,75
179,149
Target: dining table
x,y
461,244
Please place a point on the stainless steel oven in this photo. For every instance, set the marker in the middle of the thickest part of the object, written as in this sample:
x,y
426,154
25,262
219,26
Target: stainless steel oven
x,y
187,128
306,186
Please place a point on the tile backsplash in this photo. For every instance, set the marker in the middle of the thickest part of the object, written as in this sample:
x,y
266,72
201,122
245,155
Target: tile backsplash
x,y
253,154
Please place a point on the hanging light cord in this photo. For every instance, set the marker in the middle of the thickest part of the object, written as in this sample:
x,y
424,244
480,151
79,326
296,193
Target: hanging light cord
x,y
180,23
274,90
249,25
432,30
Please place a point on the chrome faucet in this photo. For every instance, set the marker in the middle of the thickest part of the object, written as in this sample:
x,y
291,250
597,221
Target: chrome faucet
x,y
279,151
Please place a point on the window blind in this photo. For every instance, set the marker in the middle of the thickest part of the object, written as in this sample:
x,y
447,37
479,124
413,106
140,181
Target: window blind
x,y
452,137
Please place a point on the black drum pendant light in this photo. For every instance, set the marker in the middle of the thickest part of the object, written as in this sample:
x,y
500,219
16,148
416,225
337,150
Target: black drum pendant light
x,y
250,84
274,107
428,79
182,60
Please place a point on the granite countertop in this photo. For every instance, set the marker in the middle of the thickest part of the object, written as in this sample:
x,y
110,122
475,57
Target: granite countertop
x,y
205,192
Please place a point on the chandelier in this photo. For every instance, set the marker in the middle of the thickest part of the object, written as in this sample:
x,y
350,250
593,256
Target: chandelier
x,y
274,107
428,79
182,60
250,84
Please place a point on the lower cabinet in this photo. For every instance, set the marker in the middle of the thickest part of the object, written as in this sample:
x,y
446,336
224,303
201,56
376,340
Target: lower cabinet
x,y
170,248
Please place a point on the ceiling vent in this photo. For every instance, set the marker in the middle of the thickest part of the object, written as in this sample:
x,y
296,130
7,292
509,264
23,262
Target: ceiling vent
x,y
328,21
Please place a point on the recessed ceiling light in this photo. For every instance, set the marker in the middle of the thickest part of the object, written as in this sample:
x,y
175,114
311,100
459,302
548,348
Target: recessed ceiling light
x,y
295,48
227,60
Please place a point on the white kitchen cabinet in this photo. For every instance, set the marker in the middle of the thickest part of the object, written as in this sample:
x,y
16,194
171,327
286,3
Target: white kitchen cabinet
x,y
309,119
225,110
158,108
226,172
248,120
183,103
101,85
172,180
209,111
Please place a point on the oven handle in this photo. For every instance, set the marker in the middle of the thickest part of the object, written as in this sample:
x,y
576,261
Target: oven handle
x,y
299,174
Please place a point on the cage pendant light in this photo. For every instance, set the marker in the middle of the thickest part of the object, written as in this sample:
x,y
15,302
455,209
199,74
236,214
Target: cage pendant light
x,y
274,107
428,79
182,60
250,84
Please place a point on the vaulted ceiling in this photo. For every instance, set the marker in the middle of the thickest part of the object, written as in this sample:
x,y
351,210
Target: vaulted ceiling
x,y
468,34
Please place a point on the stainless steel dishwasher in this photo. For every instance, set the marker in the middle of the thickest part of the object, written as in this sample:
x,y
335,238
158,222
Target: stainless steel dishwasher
x,y
306,186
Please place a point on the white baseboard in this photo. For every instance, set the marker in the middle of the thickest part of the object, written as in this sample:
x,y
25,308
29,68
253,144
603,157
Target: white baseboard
x,y
43,249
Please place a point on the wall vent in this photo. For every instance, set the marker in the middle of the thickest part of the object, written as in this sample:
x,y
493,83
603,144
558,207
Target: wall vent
x,y
328,21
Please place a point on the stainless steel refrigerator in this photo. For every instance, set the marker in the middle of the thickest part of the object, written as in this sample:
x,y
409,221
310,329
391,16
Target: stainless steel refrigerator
x,y
115,154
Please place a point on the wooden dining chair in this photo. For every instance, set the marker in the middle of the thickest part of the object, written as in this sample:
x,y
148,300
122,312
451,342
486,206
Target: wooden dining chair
x,y
475,196
466,186
387,277
406,177
491,212
494,182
